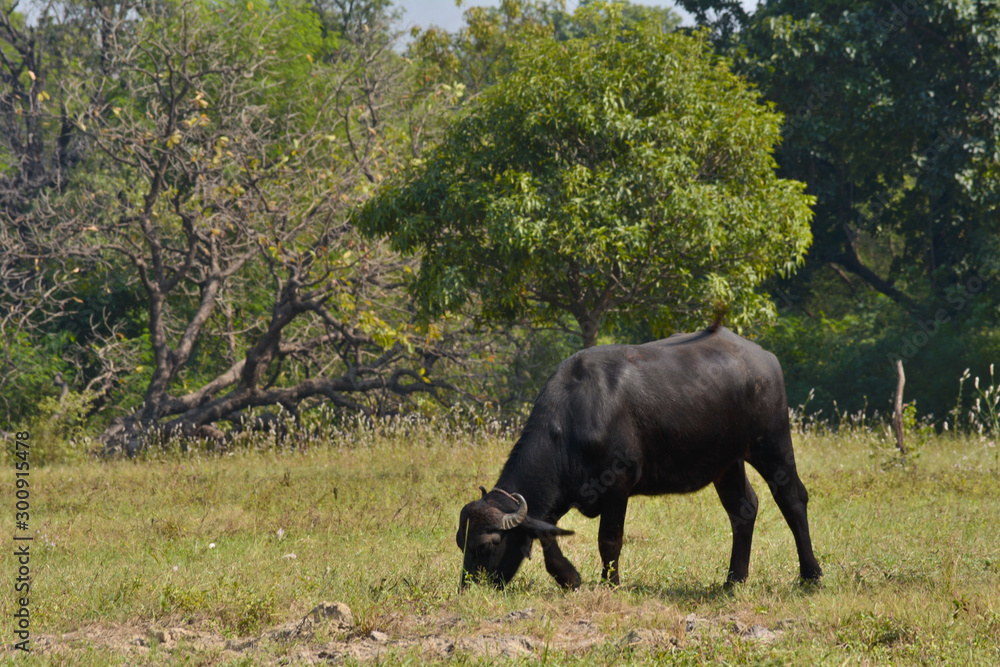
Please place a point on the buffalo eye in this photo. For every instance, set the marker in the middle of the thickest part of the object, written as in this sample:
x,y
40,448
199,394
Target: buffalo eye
x,y
487,544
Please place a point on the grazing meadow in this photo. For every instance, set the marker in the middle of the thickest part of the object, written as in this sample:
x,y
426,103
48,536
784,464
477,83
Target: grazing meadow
x,y
218,557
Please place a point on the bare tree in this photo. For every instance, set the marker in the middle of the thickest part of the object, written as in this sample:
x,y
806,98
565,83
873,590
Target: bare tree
x,y
40,146
226,154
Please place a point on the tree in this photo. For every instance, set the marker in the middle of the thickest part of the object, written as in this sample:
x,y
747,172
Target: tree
x,y
725,18
482,50
623,177
479,53
41,144
632,15
220,199
892,122
357,21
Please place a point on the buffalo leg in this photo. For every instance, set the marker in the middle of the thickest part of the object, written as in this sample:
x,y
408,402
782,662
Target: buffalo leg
x,y
609,538
778,469
558,565
740,501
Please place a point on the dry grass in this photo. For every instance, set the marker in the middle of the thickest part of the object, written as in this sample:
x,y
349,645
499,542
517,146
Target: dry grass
x,y
229,546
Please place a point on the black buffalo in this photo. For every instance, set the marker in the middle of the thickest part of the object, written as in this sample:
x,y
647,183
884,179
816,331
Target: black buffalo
x,y
616,421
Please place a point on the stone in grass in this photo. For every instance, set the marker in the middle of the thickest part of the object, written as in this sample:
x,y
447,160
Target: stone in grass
x,y
380,637
167,637
242,644
161,637
520,614
693,622
335,613
754,633
633,637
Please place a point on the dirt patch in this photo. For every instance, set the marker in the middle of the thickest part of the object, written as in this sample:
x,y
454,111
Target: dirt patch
x,y
328,635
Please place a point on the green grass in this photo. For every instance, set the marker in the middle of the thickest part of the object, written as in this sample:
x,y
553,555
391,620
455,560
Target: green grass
x,y
911,558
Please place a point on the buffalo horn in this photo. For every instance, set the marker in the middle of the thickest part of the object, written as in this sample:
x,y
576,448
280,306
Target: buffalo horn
x,y
483,489
515,518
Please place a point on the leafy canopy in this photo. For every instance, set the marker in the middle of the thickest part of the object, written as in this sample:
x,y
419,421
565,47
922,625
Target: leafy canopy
x,y
892,117
893,120
621,177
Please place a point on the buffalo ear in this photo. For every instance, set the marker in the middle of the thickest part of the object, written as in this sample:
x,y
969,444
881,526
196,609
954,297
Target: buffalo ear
x,y
539,529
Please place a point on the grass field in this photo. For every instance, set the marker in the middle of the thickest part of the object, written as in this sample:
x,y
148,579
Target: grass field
x,y
208,559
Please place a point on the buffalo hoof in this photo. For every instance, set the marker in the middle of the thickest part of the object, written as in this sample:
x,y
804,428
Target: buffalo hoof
x,y
610,576
733,579
611,581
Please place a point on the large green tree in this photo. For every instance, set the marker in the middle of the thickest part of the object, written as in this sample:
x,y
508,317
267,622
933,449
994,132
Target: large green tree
x,y
482,50
891,120
626,176
479,52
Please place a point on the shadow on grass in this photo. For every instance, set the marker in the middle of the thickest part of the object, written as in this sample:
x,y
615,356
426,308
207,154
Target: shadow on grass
x,y
692,594
681,593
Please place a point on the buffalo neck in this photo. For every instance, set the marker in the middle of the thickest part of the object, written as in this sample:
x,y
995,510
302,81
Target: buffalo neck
x,y
533,470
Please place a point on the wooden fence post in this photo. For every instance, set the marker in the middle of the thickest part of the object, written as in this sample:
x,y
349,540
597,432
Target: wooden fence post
x,y
897,414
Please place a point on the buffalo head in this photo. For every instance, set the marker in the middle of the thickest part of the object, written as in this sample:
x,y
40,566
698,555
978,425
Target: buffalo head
x,y
495,534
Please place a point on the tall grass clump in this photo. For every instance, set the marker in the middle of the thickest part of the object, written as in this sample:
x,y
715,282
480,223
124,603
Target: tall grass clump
x,y
984,415
971,426
233,542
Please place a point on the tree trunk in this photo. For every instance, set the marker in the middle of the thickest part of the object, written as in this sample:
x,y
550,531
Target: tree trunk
x,y
590,326
851,260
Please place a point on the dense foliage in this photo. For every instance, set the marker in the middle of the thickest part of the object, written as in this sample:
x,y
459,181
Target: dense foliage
x,y
893,120
180,182
625,176
220,149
